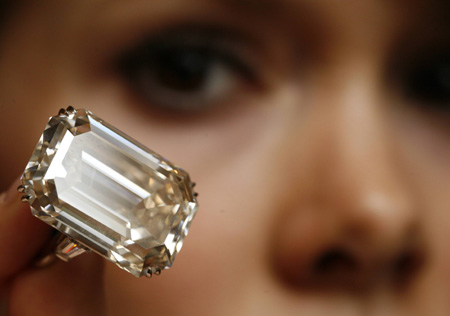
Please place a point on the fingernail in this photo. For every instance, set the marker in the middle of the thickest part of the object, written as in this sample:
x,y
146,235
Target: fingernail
x,y
11,194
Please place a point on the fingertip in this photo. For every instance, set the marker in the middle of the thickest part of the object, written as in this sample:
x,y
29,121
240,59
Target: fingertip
x,y
11,194
73,288
21,236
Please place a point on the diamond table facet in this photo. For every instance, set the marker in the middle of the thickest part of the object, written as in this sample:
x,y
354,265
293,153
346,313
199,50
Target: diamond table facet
x,y
109,193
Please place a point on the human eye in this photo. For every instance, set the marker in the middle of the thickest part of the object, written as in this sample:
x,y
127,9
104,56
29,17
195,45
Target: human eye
x,y
189,70
426,81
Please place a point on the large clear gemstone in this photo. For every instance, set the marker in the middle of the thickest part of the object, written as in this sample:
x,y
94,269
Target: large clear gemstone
x,y
110,193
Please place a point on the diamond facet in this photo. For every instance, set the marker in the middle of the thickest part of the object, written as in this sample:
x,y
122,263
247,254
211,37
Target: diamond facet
x,y
109,193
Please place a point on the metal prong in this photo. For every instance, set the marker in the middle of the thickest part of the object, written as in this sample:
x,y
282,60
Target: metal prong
x,y
62,111
193,184
25,198
21,188
149,273
70,109
195,194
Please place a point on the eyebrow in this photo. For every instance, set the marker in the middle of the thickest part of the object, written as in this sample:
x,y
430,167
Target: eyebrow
x,y
286,6
264,6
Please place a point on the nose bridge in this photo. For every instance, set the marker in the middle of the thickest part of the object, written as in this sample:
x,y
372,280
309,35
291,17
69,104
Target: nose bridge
x,y
365,156
365,178
361,174
353,150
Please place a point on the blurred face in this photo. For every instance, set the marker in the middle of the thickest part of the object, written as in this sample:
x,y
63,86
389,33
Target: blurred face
x,y
317,132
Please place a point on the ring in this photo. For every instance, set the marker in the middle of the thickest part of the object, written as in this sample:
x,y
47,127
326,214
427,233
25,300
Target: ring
x,y
107,193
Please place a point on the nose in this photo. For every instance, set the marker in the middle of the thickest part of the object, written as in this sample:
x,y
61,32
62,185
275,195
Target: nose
x,y
346,216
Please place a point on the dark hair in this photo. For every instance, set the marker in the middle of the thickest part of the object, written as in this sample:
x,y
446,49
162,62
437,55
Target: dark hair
x,y
6,6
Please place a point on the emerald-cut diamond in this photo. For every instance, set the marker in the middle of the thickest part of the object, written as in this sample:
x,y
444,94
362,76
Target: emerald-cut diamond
x,y
109,193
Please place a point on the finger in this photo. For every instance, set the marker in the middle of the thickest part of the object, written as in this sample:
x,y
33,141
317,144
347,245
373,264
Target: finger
x,y
64,289
21,234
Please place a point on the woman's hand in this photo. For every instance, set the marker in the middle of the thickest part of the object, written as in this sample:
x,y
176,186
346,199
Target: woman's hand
x,y
73,288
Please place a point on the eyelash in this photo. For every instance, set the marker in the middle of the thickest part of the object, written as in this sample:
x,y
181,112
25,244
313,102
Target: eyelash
x,y
187,71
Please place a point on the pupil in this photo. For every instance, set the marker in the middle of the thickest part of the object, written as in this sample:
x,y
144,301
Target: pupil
x,y
182,69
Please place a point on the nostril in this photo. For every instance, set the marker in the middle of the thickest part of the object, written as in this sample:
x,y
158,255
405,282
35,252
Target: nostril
x,y
336,267
406,266
334,261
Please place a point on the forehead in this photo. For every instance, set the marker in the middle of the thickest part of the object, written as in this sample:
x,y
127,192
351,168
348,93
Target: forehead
x,y
350,11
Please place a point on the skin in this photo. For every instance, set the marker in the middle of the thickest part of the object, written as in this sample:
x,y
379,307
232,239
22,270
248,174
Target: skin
x,y
323,189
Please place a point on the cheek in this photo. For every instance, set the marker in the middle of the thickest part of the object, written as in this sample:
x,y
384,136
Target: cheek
x,y
25,107
425,149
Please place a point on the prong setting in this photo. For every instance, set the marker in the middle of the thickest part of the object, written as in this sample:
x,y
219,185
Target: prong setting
x,y
149,272
70,109
21,188
66,112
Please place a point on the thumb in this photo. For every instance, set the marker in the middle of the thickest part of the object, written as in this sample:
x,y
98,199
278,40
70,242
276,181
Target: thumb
x,y
21,235
64,289
74,288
